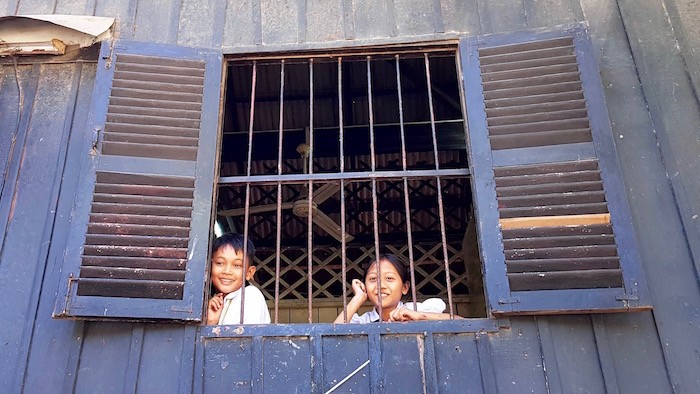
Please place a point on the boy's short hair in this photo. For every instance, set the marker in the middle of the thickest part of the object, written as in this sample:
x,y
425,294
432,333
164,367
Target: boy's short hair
x,y
237,242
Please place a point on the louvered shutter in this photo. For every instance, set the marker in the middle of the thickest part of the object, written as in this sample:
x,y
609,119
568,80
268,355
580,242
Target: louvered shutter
x,y
139,234
555,230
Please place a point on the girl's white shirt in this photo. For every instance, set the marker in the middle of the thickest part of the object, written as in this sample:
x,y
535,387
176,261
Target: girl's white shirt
x,y
433,305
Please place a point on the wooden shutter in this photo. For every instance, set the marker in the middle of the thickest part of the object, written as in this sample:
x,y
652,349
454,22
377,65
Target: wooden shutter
x,y
555,230
139,235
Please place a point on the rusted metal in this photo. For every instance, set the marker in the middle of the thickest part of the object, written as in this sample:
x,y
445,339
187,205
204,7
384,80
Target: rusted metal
x,y
409,228
310,192
343,246
246,215
441,208
375,224
278,243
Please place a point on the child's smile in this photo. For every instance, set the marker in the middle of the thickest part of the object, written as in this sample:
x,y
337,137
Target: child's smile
x,y
227,270
392,286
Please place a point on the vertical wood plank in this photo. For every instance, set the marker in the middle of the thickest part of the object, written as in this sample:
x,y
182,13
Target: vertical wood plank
x,y
134,359
241,27
457,363
159,340
124,13
55,348
372,19
343,355
280,21
323,20
605,356
157,21
286,363
26,222
35,7
461,16
201,24
501,15
515,358
98,372
543,13
549,355
414,17
228,365
74,7
675,115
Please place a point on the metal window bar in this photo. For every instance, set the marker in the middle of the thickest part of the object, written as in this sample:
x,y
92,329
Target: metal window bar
x,y
246,215
375,205
310,192
404,165
343,246
278,243
441,209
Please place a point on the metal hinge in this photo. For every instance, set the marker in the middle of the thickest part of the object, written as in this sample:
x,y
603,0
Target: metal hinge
x,y
69,293
513,300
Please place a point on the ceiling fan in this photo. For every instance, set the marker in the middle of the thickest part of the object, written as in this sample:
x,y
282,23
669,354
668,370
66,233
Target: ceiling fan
x,y
300,206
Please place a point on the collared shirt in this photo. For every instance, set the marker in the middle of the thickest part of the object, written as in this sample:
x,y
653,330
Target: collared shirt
x,y
433,305
255,311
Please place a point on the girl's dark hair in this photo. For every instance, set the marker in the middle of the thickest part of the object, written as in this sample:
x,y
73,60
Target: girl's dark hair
x,y
237,242
395,261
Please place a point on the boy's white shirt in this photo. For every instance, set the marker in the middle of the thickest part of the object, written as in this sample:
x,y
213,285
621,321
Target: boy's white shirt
x,y
255,311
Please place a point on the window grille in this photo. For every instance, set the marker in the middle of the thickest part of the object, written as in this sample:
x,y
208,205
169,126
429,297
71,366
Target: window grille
x,y
322,159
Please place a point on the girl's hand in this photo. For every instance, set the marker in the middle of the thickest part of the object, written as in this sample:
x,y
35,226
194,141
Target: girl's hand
x,y
405,314
359,289
216,304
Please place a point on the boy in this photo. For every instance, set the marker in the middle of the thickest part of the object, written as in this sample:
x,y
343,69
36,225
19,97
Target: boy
x,y
227,277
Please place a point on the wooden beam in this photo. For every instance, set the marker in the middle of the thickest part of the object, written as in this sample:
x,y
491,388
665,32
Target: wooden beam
x,y
555,221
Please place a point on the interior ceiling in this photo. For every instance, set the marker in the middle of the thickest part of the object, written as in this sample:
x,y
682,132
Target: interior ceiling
x,y
449,128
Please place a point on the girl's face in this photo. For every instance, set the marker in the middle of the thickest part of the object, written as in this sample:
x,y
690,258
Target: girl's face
x,y
393,288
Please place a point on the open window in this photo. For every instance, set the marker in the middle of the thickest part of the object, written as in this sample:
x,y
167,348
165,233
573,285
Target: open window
x,y
327,157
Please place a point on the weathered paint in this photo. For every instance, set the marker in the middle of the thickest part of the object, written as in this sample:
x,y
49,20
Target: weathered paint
x,y
640,65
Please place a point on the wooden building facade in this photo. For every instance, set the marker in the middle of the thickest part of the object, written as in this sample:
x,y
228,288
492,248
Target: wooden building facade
x,y
648,73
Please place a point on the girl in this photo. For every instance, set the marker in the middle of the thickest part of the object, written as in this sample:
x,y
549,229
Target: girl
x,y
394,285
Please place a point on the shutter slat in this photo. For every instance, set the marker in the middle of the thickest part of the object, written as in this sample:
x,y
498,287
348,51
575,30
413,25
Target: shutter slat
x,y
554,210
535,108
577,264
506,102
160,104
539,179
183,64
153,120
130,288
135,240
550,125
136,229
527,72
524,54
532,46
526,64
192,91
134,251
541,138
154,130
548,188
154,111
154,75
553,242
141,200
145,190
145,220
535,117
132,273
158,95
134,262
563,252
587,279
528,91
534,200
151,151
591,229
160,68
530,82
132,138
545,168
134,209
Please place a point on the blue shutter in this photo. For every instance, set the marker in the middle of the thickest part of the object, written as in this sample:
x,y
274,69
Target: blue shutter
x,y
555,230
140,228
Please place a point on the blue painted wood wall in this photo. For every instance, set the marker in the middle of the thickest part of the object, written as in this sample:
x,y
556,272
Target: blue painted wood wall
x,y
648,54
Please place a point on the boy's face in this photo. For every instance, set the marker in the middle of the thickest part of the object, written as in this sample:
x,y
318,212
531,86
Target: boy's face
x,y
227,269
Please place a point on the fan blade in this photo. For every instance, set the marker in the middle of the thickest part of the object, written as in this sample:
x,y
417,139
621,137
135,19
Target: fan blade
x,y
328,225
254,209
324,192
